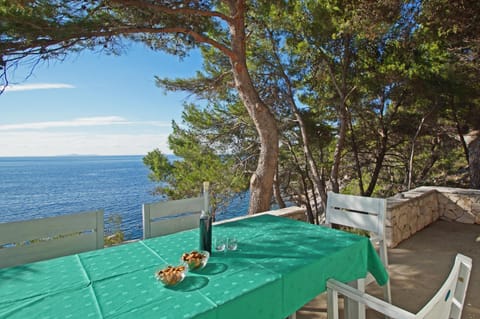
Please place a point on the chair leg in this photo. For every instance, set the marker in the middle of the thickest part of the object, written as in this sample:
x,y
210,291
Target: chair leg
x,y
387,293
352,308
332,304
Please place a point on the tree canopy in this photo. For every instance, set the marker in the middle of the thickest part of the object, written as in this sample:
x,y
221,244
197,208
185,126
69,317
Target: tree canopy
x,y
365,97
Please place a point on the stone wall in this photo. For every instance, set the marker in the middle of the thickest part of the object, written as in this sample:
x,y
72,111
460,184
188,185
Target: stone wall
x,y
460,205
409,212
294,212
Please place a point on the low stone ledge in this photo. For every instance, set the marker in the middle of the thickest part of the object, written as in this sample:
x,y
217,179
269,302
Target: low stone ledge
x,y
411,211
293,212
408,213
459,205
405,197
451,190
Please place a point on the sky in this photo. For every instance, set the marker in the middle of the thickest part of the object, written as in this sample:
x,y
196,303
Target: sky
x,y
93,104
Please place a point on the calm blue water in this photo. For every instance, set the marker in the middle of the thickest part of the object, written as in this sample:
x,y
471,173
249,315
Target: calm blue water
x,y
35,187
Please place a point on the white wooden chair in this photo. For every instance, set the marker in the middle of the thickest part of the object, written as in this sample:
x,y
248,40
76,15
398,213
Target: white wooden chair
x,y
446,304
364,213
163,218
38,239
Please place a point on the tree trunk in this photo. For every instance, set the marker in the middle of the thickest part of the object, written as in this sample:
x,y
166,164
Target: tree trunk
x,y
412,153
342,111
473,142
277,192
304,177
460,134
431,160
261,182
316,217
378,163
358,167
318,187
337,154
383,147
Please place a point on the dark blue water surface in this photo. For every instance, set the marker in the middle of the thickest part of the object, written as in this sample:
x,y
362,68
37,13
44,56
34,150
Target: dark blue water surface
x,y
35,187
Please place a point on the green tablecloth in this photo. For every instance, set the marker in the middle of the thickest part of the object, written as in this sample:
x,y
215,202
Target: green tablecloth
x,y
280,265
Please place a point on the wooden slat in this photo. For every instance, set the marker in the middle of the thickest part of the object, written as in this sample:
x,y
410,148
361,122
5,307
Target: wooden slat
x,y
175,207
46,238
47,227
46,250
147,233
356,211
359,203
353,219
175,224
168,217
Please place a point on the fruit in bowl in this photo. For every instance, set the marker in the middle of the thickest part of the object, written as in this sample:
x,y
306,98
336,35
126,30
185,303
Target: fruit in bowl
x,y
195,259
170,275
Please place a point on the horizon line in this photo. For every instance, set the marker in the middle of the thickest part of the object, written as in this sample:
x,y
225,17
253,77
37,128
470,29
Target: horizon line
x,y
78,155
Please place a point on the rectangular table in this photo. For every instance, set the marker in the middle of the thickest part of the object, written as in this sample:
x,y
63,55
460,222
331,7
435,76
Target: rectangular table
x,y
280,265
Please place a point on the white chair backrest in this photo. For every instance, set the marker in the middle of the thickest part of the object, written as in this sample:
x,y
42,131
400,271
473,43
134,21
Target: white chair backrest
x,y
163,218
360,212
448,301
38,239
446,304
364,213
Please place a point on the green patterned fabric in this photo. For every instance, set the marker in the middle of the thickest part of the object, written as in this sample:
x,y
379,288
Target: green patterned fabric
x,y
280,265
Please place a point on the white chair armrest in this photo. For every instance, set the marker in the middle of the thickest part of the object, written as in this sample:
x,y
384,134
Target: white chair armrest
x,y
368,300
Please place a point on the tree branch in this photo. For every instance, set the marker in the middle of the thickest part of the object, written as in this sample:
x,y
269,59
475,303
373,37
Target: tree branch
x,y
74,39
172,11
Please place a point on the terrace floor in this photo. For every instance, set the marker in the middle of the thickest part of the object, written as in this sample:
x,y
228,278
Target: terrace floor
x,y
418,267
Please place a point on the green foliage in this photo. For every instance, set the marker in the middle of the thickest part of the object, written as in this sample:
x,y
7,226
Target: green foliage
x,y
159,165
196,144
384,89
373,59
114,234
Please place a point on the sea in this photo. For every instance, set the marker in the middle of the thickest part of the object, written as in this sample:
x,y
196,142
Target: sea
x,y
37,187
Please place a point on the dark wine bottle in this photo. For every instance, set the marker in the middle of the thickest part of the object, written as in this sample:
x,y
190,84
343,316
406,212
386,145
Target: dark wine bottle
x,y
205,228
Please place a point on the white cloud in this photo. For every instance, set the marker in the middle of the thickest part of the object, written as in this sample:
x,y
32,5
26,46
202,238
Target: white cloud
x,y
37,86
78,122
35,139
51,144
